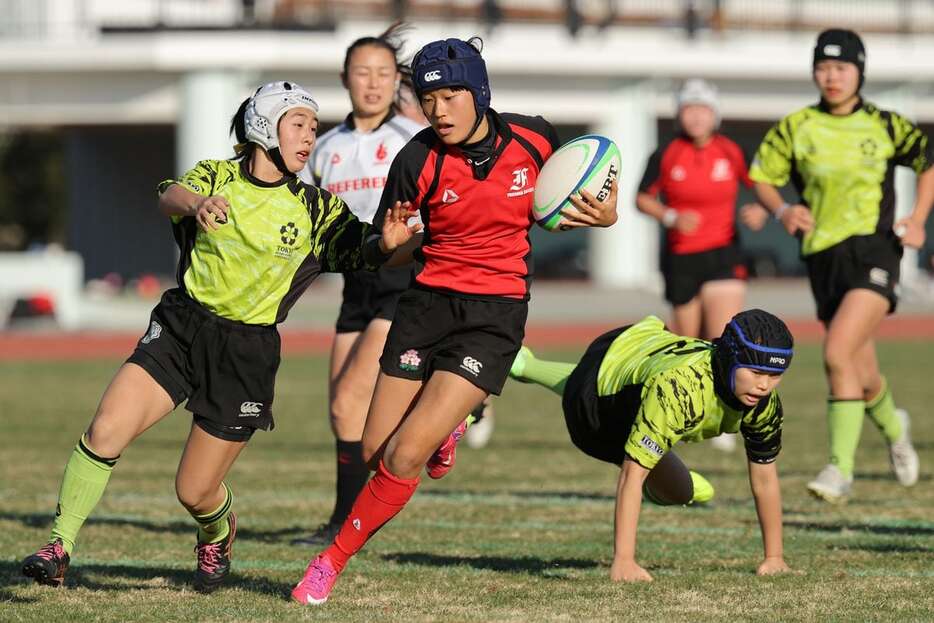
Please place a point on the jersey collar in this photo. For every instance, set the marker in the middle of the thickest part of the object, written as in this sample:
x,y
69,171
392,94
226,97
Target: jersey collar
x,y
500,135
245,171
822,106
348,120
690,142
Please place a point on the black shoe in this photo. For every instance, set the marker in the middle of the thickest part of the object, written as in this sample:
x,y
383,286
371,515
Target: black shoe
x,y
323,535
214,559
48,565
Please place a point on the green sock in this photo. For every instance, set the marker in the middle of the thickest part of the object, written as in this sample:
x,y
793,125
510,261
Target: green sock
x,y
213,526
551,374
83,484
881,410
845,421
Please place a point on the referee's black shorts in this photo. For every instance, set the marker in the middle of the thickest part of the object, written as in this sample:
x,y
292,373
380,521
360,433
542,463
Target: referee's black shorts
x,y
476,339
368,295
226,369
867,262
686,273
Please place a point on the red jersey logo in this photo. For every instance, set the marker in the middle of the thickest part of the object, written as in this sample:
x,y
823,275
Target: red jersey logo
x,y
520,183
722,171
381,152
336,159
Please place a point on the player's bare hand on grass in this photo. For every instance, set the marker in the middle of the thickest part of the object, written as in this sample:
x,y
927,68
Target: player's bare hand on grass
x,y
797,218
591,212
628,571
396,230
211,212
773,566
754,216
910,232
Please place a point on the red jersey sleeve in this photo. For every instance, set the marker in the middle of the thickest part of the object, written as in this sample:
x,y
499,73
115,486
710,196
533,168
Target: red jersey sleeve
x,y
538,132
739,161
651,178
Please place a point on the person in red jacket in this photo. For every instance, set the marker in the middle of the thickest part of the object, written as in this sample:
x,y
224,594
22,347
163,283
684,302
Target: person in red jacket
x,y
690,186
456,332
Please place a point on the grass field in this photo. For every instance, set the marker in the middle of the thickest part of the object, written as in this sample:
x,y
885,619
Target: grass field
x,y
519,531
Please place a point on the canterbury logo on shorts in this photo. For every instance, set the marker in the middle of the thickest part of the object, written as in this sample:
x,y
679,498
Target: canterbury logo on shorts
x,y
471,365
251,409
879,277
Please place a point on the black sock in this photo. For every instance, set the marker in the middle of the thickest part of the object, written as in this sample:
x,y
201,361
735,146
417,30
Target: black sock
x,y
352,474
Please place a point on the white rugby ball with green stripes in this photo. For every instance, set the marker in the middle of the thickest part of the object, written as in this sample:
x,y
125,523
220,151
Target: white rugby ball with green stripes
x,y
588,163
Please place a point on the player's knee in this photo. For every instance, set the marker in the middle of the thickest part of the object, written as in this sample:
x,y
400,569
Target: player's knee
x,y
837,358
106,436
346,409
194,495
405,461
664,494
669,483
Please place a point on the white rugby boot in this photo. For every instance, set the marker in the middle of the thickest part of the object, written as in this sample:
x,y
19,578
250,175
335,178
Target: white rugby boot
x,y
902,454
831,485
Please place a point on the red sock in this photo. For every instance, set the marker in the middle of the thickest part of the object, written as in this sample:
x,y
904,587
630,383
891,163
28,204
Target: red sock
x,y
381,499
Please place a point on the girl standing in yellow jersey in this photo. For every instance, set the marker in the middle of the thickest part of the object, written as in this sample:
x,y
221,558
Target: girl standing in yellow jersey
x,y
841,155
252,238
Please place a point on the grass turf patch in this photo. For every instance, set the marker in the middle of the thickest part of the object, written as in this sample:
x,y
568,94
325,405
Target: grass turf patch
x,y
519,531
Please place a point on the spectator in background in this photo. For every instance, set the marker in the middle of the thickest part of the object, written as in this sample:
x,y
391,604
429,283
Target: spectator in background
x,y
690,186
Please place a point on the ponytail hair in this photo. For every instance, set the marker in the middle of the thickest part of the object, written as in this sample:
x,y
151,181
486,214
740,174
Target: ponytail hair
x,y
392,40
243,149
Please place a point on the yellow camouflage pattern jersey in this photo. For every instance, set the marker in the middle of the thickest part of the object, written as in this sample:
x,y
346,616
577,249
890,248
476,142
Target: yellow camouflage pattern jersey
x,y
842,167
678,401
277,239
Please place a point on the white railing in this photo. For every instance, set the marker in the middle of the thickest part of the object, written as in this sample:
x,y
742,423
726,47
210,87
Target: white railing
x,y
75,19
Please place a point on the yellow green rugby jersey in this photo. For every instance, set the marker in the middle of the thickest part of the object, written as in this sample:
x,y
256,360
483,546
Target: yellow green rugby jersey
x,y
277,239
678,401
842,167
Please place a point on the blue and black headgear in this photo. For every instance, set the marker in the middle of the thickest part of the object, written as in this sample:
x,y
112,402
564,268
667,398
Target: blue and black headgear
x,y
753,339
453,63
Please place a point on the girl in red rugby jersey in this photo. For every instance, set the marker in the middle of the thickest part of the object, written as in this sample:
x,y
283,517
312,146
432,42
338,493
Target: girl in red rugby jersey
x,y
697,175
471,175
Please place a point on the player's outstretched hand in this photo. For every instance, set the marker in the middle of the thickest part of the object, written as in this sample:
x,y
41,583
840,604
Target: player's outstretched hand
x,y
211,212
396,230
773,566
628,571
797,218
590,212
910,232
754,216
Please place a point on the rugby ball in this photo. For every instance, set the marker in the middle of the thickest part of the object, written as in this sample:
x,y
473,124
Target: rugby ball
x,y
588,162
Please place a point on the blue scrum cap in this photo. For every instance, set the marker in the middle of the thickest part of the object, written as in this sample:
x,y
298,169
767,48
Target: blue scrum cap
x,y
453,63
755,339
